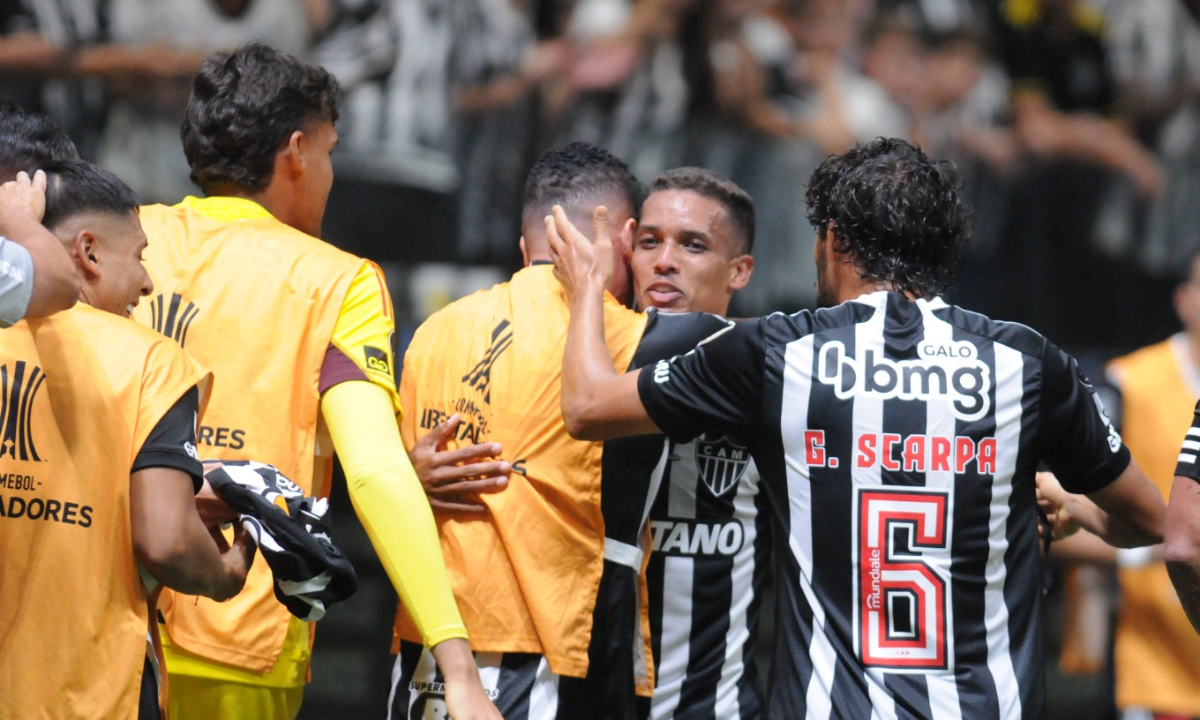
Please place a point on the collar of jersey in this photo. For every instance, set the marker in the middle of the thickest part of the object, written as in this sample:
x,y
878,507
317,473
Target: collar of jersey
x,y
225,209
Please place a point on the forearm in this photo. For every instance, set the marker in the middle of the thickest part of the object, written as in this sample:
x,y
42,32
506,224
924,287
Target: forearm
x,y
587,365
172,543
1115,531
1183,545
391,505
55,280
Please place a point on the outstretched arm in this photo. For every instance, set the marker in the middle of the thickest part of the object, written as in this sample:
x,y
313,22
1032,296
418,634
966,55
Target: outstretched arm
x,y
1127,513
1183,545
597,402
391,504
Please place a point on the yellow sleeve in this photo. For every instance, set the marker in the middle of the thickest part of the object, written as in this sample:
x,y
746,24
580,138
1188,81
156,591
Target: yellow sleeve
x,y
365,329
392,506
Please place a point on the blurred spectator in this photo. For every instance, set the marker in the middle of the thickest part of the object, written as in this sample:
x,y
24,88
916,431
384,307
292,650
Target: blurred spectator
x,y
495,70
154,51
1155,49
35,56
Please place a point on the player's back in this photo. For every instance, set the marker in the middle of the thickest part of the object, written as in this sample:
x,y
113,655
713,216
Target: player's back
x,y
257,302
897,442
526,573
81,392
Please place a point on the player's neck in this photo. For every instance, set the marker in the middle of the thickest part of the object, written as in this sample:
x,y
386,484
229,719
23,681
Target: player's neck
x,y
279,202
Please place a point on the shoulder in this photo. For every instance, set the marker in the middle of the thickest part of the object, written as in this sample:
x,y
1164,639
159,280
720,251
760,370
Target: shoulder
x,y
1021,338
123,342
458,316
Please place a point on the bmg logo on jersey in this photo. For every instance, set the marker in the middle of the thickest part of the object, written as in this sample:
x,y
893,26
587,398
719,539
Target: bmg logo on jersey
x,y
950,370
19,387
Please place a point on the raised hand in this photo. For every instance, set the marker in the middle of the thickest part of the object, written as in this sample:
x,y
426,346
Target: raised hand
x,y
453,479
580,264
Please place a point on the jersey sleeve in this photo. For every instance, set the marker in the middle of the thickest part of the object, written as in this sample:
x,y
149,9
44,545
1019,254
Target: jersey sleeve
x,y
715,387
16,282
1079,442
361,346
1188,463
670,334
172,442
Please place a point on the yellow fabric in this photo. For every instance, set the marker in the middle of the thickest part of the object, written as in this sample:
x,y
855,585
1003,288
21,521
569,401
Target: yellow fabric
x,y
526,573
289,672
364,331
1157,652
82,390
257,301
218,700
383,486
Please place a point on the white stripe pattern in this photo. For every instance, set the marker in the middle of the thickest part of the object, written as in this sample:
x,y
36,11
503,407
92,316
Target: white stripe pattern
x,y
1009,379
940,422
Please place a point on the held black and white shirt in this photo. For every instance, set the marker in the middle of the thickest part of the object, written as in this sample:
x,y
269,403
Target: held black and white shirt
x,y
897,442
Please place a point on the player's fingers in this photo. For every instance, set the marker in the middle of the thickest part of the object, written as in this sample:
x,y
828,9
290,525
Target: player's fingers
x,y
39,181
460,507
439,433
447,476
564,228
457,490
470,453
556,241
600,224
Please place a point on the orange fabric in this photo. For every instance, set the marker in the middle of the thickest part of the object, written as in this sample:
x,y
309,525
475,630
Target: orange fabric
x,y
82,390
525,574
256,301
1157,652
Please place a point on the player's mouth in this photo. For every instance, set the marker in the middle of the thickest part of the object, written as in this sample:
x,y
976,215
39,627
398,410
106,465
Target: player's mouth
x,y
129,309
663,293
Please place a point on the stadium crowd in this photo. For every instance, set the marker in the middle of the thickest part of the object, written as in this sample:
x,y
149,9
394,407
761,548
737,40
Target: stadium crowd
x,y
453,128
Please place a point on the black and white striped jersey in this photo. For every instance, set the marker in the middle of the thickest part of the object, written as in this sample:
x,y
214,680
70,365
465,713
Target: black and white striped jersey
x,y
897,442
706,573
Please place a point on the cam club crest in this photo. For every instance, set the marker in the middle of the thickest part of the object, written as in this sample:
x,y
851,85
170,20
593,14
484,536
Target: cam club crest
x,y
721,462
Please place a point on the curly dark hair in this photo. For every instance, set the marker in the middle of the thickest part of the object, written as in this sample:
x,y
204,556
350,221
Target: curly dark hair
x,y
895,211
28,140
78,186
243,106
706,183
578,177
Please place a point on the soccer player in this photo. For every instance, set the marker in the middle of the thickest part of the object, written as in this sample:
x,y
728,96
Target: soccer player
x,y
1150,396
710,541
97,473
298,334
1183,525
555,640
36,276
897,438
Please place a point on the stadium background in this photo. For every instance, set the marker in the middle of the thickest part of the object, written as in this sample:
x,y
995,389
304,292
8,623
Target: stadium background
x,y
1075,124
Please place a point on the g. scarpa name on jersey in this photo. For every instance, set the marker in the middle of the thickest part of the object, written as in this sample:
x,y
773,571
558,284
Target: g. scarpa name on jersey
x,y
908,453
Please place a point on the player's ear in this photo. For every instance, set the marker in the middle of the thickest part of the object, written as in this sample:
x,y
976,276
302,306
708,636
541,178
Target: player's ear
x,y
291,154
83,250
740,270
524,252
628,231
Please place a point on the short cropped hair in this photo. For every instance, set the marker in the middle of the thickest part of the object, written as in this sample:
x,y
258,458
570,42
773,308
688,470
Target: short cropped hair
x,y
29,140
897,213
244,105
737,202
76,186
577,177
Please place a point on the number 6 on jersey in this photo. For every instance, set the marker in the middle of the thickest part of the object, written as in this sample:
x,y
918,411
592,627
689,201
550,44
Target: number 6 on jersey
x,y
903,613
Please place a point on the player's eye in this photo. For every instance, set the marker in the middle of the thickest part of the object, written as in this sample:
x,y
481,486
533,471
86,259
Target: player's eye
x,y
647,241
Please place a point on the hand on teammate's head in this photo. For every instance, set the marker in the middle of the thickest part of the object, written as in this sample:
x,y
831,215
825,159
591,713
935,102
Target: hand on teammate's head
x,y
24,197
580,264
